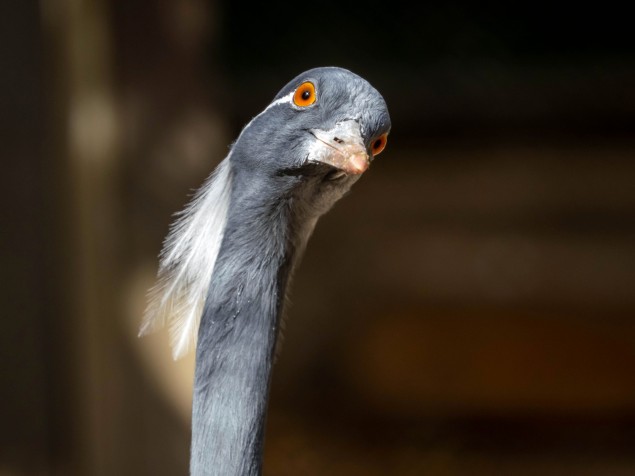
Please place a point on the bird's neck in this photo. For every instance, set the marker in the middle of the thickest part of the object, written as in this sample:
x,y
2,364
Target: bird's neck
x,y
238,332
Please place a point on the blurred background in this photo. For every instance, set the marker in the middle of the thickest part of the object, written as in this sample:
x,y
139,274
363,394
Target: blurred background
x,y
468,310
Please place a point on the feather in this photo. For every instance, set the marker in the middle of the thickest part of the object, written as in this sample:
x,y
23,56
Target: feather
x,y
187,262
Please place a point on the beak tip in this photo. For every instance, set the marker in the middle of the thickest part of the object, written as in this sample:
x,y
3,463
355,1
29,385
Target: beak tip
x,y
357,164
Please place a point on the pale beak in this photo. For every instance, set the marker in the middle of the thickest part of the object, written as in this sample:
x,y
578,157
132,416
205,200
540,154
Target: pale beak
x,y
341,147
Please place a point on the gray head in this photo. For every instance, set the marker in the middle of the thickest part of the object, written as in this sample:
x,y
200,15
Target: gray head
x,y
302,153
323,128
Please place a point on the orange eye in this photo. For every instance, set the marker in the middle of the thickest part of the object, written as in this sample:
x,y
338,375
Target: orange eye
x,y
305,94
379,144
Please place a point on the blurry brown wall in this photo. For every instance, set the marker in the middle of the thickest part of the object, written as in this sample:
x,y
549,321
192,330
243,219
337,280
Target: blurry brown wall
x,y
24,370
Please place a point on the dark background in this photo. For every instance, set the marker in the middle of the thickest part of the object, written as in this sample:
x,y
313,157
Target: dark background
x,y
467,310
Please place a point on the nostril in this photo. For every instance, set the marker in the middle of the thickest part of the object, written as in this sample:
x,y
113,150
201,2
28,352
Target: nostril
x,y
338,140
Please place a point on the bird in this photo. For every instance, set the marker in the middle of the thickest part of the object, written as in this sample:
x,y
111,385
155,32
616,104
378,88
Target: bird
x,y
228,258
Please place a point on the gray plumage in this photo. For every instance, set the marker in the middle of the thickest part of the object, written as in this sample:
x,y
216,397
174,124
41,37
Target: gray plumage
x,y
283,172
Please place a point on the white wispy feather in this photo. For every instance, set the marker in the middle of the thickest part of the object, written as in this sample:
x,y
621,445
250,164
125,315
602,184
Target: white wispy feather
x,y
187,262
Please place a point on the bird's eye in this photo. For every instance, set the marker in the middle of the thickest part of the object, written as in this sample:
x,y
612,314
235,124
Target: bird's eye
x,y
305,94
379,144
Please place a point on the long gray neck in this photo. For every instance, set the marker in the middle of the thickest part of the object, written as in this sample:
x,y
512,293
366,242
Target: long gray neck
x,y
238,331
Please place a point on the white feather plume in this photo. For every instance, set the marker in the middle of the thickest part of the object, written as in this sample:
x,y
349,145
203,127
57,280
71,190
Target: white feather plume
x,y
187,262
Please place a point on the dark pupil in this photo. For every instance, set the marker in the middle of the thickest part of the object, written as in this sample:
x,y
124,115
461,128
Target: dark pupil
x,y
306,95
377,144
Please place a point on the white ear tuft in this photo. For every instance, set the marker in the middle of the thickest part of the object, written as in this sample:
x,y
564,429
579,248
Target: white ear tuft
x,y
187,262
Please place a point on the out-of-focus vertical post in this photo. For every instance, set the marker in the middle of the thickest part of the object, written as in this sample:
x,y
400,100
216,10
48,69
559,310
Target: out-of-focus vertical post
x,y
86,149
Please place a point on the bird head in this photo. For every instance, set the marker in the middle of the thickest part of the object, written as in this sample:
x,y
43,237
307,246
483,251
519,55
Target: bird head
x,y
300,154
324,128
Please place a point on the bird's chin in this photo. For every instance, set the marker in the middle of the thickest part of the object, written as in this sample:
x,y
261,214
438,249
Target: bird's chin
x,y
324,175
335,175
